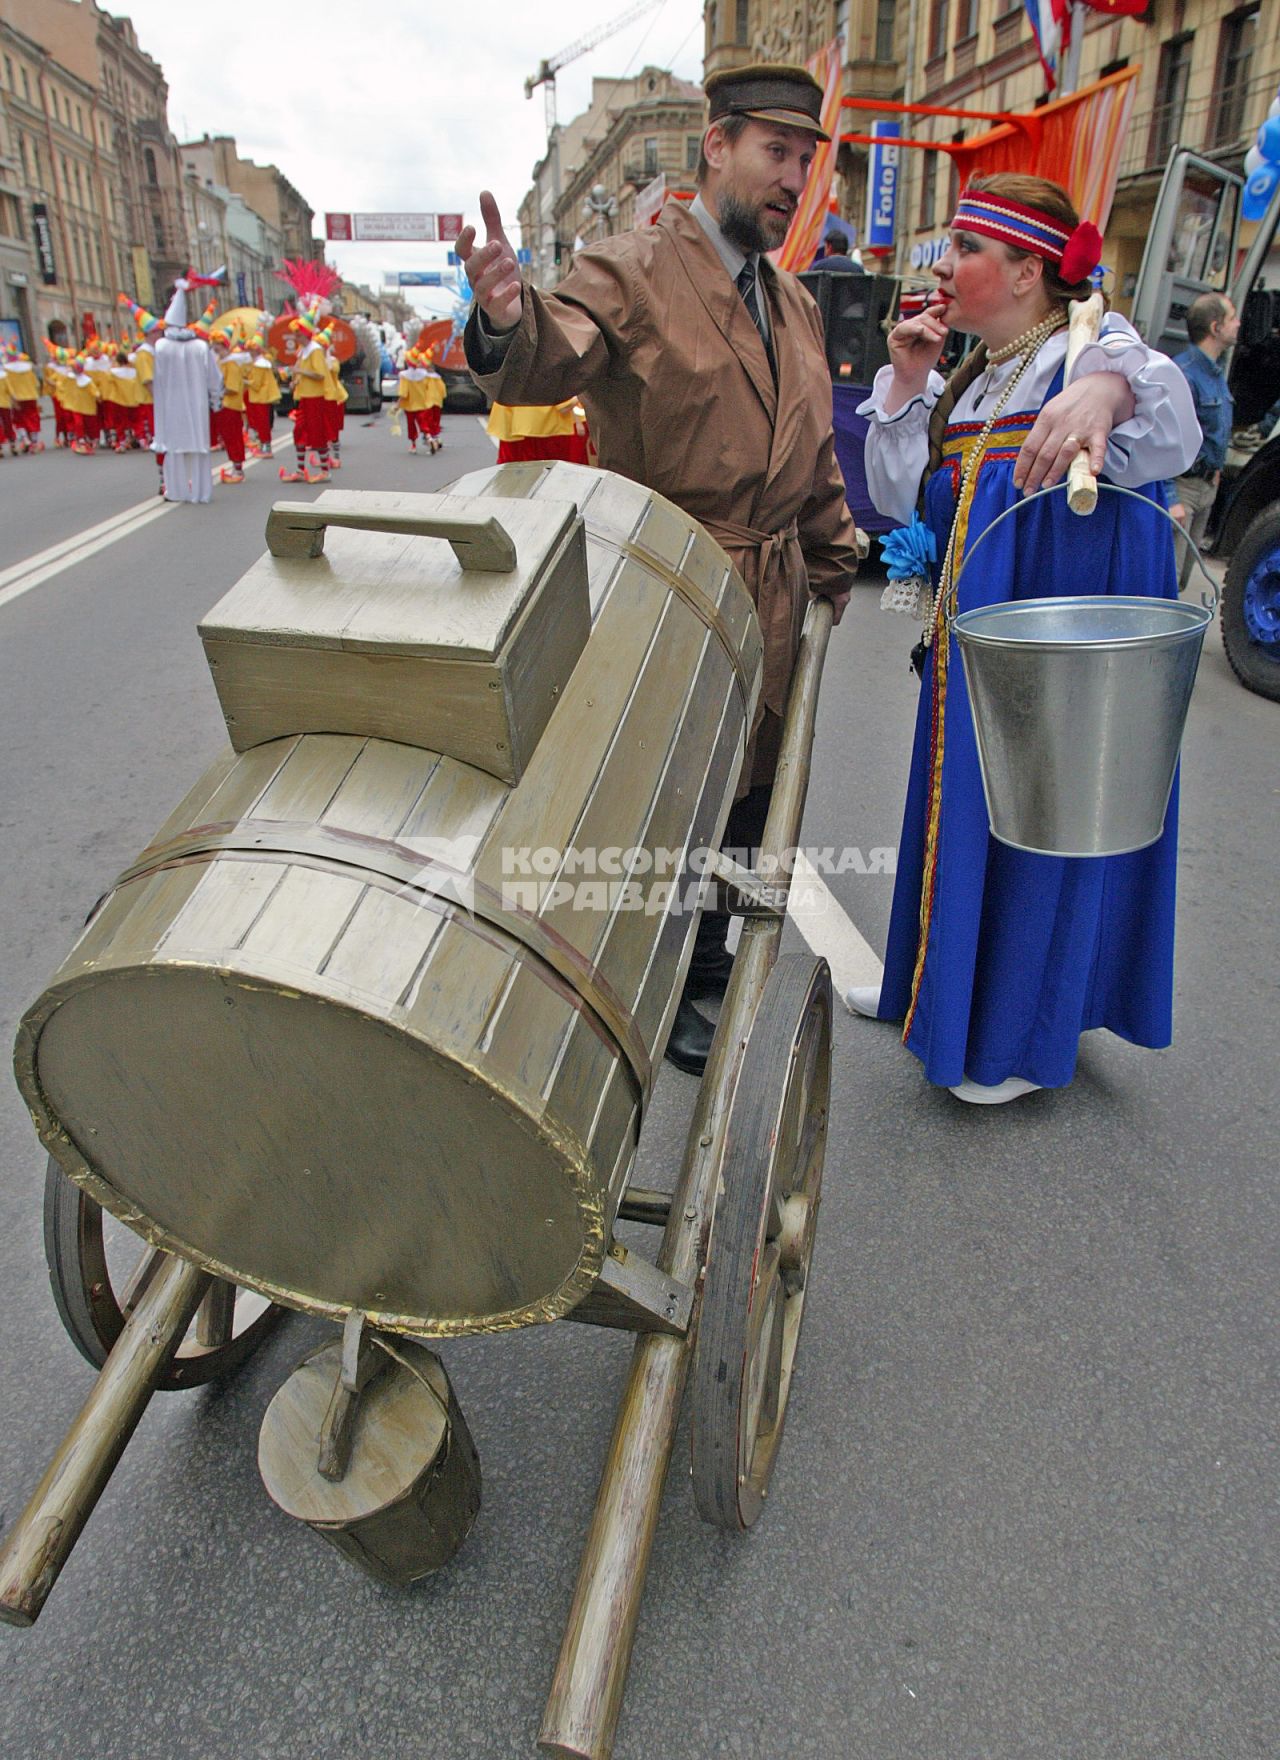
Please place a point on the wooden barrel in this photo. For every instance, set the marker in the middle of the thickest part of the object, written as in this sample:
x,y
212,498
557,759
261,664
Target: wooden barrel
x,y
368,1028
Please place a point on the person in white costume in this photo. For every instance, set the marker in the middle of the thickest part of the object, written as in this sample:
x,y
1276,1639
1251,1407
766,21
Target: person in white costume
x,y
187,385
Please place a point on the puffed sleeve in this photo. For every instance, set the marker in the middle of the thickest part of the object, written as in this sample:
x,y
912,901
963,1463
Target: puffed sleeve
x,y
897,447
1162,437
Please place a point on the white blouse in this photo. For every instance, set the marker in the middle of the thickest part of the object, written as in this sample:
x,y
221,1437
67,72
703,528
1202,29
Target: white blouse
x,y
1160,440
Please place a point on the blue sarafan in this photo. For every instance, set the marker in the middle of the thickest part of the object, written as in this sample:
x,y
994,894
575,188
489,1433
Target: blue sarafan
x,y
998,959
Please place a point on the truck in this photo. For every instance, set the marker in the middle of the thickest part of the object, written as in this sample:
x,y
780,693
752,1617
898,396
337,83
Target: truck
x,y
1193,248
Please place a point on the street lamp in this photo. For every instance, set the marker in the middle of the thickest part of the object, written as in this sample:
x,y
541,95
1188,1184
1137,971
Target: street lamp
x,y
600,205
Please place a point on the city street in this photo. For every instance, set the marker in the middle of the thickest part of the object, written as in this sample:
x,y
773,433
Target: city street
x,y
1025,1508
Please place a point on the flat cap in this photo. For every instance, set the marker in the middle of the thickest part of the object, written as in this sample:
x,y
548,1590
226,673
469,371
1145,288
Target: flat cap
x,y
771,92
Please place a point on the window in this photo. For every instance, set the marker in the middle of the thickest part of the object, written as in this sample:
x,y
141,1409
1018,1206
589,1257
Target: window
x,y
8,72
928,190
966,19
79,120
938,28
26,89
149,160
885,10
742,24
1235,61
692,147
1171,96
651,156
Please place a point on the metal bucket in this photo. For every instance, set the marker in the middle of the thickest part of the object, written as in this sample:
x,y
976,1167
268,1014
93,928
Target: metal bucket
x,y
1078,706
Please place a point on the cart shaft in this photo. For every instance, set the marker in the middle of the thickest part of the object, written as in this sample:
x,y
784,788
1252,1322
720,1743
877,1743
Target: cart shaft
x,y
40,1541
586,1691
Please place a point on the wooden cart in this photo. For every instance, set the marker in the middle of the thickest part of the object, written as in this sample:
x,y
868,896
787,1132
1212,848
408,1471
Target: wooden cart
x,y
721,1300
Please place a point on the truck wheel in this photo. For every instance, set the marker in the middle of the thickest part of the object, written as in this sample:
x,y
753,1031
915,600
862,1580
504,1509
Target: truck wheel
x,y
1251,607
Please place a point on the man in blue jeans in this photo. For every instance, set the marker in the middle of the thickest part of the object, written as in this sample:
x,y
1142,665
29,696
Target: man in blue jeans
x,y
1212,325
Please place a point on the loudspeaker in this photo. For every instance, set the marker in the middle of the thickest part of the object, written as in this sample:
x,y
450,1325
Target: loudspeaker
x,y
854,309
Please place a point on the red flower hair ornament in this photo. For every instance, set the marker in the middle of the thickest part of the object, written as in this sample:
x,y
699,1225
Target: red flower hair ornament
x,y
1082,254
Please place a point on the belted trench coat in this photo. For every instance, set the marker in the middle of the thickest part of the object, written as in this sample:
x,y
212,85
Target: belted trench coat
x,y
651,333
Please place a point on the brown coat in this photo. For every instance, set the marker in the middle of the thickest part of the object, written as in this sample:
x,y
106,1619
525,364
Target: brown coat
x,y
651,333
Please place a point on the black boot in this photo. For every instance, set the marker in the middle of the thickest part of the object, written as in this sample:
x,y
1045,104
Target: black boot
x,y
711,962
690,1041
709,974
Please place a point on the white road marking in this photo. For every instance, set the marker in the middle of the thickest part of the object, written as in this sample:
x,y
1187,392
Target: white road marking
x,y
38,569
823,923
33,571
484,423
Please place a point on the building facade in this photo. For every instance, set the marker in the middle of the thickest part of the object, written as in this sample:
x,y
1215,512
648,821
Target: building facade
x,y
874,40
264,188
68,201
1208,70
131,95
18,270
634,131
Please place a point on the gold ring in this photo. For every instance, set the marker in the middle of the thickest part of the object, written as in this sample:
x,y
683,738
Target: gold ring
x,y
1073,442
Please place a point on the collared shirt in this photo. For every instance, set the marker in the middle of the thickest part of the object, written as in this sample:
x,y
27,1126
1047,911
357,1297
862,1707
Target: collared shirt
x,y
1214,404
733,259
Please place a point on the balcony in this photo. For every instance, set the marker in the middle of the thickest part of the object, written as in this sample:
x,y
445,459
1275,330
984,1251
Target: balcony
x,y
1221,127
641,171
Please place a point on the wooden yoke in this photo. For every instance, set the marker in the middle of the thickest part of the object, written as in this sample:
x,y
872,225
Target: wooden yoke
x,y
1084,324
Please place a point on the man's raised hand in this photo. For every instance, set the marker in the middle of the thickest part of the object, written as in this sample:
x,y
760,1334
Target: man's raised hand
x,y
492,268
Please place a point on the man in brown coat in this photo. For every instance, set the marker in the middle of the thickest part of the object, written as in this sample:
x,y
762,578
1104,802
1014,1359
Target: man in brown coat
x,y
704,377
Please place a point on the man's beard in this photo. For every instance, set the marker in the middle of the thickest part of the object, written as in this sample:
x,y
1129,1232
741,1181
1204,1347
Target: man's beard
x,y
744,227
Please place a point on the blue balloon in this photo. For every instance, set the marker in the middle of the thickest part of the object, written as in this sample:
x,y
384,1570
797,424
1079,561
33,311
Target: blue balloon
x,y
1269,140
1257,192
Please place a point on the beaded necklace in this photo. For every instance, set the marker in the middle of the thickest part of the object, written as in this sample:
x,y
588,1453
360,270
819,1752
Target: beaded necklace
x,y
1028,345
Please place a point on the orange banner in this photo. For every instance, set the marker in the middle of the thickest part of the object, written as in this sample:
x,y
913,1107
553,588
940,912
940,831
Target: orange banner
x,y
796,250
1075,140
1081,136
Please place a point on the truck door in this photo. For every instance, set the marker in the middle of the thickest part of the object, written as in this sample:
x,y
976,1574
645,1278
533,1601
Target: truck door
x,y
1190,248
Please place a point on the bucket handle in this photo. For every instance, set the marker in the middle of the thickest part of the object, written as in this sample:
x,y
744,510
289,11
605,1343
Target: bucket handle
x,y
1209,601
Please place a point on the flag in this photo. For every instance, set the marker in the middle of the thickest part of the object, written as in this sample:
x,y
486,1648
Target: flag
x,y
1051,25
1116,8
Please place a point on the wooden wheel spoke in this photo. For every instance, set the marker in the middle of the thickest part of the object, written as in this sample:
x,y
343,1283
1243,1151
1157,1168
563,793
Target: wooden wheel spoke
x,y
762,1368
94,1301
135,1285
215,1317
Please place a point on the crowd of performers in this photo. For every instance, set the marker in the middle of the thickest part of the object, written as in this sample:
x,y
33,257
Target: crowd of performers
x,y
103,396
183,390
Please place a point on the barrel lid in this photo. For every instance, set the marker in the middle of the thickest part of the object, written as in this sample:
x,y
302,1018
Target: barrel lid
x,y
392,593
400,1431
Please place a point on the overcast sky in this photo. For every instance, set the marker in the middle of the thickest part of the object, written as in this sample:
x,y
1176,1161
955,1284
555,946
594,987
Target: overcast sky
x,y
424,103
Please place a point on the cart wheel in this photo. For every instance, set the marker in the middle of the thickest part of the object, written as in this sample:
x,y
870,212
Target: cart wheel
x,y
94,1294
761,1243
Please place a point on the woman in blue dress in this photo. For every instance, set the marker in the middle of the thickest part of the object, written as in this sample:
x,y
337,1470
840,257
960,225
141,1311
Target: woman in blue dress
x,y
997,960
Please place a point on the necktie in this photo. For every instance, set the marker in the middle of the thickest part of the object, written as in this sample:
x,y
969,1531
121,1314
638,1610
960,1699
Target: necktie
x,y
751,299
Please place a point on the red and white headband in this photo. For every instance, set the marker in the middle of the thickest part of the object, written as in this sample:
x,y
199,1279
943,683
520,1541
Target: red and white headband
x,y
1075,253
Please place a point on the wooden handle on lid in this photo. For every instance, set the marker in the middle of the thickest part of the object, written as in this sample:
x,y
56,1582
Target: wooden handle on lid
x,y
295,531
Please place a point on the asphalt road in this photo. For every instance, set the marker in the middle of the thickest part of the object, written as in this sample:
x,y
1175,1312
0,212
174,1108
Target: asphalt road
x,y
1026,1502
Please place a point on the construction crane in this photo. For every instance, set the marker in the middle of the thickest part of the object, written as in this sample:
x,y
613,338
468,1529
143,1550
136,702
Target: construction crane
x,y
547,70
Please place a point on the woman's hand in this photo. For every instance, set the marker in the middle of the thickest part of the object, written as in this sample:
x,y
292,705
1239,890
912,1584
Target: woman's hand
x,y
1078,419
915,347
